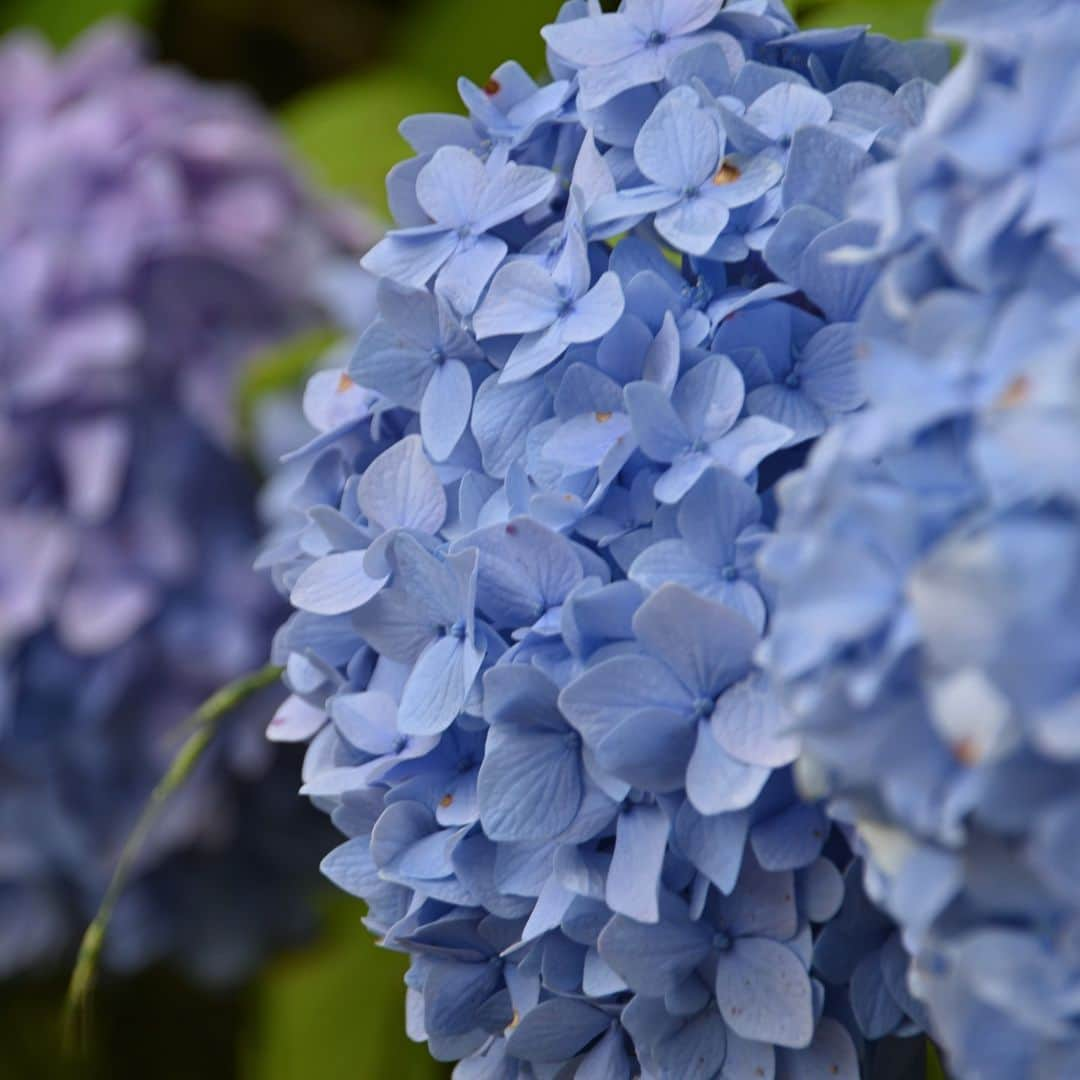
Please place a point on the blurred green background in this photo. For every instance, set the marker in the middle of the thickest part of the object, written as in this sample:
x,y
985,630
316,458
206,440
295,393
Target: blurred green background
x,y
340,75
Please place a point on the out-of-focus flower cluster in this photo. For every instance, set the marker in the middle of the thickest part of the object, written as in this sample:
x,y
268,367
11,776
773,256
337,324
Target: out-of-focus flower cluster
x,y
927,562
152,235
523,556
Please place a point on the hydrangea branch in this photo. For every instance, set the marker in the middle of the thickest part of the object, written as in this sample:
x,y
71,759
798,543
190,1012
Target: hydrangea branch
x,y
205,722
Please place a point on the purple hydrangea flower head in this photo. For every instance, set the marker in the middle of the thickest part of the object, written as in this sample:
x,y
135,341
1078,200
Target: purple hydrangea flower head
x,y
522,561
152,235
925,564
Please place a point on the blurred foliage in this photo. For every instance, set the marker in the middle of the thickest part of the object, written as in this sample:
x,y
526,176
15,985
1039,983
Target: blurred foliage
x,y
278,48
153,1025
898,18
62,20
348,132
282,368
336,1012
444,39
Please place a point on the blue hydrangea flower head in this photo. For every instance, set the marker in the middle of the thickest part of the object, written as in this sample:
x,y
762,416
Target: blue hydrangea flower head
x,y
523,559
152,235
925,564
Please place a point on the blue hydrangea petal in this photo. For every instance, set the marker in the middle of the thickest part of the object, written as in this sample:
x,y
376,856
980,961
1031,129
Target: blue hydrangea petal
x,y
463,276
707,645
503,414
445,408
556,1030
717,783
821,169
649,750
603,696
763,993
522,298
692,225
603,39
679,145
335,584
530,785
595,313
713,843
751,723
659,429
411,258
745,1057
831,1053
654,959
633,880
513,190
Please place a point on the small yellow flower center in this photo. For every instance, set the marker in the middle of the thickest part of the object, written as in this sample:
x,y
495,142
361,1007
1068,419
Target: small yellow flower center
x,y
603,417
726,174
344,383
1016,393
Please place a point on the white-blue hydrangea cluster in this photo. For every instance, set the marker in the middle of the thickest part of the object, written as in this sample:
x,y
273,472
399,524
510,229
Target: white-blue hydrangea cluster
x,y
523,556
152,234
927,562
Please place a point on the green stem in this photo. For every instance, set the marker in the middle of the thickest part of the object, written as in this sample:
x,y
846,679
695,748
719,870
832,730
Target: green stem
x,y
206,721
934,1069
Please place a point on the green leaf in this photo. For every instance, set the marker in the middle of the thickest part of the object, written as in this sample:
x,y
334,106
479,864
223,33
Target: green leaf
x,y
336,1012
897,18
347,131
61,21
448,38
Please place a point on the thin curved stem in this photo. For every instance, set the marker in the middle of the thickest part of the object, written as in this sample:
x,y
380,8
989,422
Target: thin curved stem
x,y
205,721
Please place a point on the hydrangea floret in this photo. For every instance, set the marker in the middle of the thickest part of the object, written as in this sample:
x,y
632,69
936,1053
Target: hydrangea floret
x,y
926,560
523,562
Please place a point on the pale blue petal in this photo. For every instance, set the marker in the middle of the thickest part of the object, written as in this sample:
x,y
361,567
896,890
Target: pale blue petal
x,y
401,489
748,443
649,750
444,411
465,274
706,644
335,584
693,224
709,397
713,514
437,688
524,570
534,352
530,784
679,145
502,417
596,312
511,192
763,993
410,260
556,1030
603,696
449,186
830,1056
654,959
714,844
684,473
659,430
715,782
522,298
